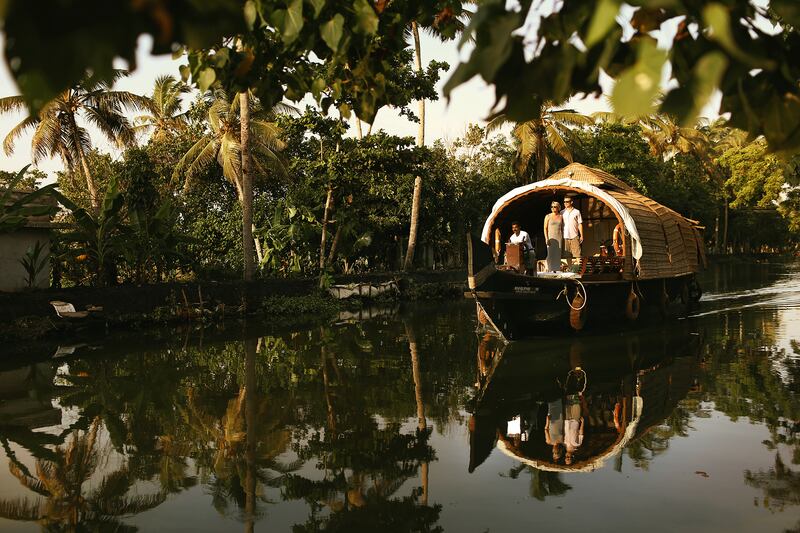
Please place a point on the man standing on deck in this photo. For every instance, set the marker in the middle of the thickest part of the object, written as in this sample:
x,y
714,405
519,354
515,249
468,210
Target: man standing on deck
x,y
573,230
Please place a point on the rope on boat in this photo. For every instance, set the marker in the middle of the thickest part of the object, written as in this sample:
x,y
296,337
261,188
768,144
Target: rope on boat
x,y
566,296
575,371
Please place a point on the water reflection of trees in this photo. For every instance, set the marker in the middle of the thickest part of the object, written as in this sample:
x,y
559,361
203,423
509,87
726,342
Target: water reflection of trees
x,y
746,375
63,503
319,416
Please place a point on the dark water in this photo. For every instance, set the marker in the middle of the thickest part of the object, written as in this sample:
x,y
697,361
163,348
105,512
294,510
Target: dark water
x,y
412,422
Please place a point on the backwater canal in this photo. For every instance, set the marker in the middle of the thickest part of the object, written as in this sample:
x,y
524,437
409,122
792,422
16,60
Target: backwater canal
x,y
409,421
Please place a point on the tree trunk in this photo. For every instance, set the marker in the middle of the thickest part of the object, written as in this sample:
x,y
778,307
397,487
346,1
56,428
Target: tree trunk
x,y
95,200
335,244
247,187
250,436
725,228
541,153
417,198
422,423
359,131
322,241
257,243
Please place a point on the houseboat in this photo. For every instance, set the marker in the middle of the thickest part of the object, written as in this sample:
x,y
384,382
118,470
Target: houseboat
x,y
660,253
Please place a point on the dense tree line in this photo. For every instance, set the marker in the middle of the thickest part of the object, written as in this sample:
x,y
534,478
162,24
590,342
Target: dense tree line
x,y
326,202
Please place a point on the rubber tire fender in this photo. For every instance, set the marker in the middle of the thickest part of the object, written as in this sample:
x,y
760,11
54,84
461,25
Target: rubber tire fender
x,y
577,317
632,306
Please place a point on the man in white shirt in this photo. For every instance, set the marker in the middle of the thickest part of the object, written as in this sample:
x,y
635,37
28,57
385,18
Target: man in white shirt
x,y
522,238
573,230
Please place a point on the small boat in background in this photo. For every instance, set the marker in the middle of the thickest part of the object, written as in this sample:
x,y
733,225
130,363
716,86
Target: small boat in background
x,y
662,251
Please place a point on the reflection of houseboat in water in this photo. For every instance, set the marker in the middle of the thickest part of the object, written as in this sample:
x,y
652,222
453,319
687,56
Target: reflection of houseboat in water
x,y
553,408
660,252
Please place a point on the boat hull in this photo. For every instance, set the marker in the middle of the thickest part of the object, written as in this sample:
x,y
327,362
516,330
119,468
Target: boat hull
x,y
517,305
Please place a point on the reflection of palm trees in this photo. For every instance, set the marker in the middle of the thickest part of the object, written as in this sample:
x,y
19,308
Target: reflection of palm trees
x,y
60,482
781,485
422,423
244,442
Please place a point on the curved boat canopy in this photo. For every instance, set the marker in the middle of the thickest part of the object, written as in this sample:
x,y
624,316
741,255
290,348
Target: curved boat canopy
x,y
572,184
592,464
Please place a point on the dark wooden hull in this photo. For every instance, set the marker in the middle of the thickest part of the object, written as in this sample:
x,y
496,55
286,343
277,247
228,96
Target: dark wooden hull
x,y
518,305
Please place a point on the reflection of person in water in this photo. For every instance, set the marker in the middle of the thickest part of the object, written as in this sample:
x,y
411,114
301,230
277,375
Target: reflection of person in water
x,y
573,426
554,428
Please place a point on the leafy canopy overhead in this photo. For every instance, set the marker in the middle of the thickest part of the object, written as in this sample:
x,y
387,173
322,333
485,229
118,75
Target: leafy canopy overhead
x,y
724,44
275,47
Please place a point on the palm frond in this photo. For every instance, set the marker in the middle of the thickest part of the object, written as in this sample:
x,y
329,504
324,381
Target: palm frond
x,y
496,123
197,159
10,104
557,143
17,131
229,158
28,481
113,125
284,109
128,506
569,117
48,139
22,510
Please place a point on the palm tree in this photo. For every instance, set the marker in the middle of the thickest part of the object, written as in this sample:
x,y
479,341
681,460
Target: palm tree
x,y
165,116
704,142
456,21
667,138
222,143
65,506
56,129
537,137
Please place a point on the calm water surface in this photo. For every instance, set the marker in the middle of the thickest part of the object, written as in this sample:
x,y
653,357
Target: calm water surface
x,y
410,421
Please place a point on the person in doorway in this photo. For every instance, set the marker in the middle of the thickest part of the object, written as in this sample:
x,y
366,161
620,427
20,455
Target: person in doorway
x,y
524,240
554,428
553,233
573,426
573,230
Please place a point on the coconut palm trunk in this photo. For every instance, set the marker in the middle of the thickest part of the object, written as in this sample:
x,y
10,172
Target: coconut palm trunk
x,y
541,151
247,187
417,198
87,174
323,239
251,420
422,423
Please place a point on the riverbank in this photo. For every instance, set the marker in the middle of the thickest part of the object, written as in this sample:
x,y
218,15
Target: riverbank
x,y
29,316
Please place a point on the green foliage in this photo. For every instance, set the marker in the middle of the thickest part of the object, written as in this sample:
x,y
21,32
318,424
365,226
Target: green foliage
x,y
622,151
98,239
287,240
72,183
789,208
717,45
293,307
34,262
32,178
755,178
15,209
